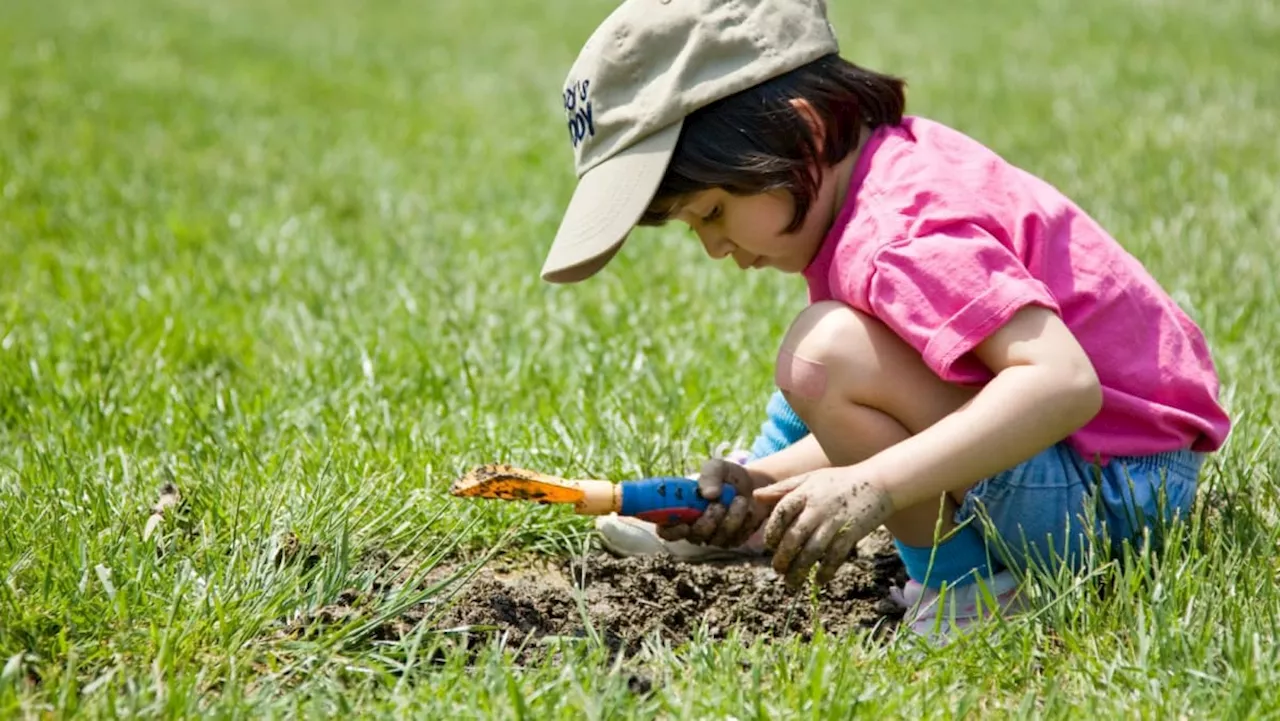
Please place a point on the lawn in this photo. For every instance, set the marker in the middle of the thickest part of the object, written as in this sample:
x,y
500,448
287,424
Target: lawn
x,y
284,256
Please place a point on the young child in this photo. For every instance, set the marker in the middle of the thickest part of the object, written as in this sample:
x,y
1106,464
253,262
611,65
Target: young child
x,y
981,369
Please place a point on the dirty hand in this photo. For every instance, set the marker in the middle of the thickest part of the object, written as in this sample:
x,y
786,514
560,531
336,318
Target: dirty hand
x,y
819,518
724,526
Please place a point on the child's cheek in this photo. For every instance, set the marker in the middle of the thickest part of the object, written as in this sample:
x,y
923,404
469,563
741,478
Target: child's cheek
x,y
800,376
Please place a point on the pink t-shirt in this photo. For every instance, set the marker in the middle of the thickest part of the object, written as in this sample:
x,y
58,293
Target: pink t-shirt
x,y
943,241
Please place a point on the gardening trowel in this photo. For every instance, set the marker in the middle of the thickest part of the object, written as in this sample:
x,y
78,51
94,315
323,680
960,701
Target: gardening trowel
x,y
661,500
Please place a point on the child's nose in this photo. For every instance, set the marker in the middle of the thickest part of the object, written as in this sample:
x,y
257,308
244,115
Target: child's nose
x,y
716,245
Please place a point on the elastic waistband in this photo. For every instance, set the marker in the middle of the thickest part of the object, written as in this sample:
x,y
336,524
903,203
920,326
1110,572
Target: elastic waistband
x,y
1182,460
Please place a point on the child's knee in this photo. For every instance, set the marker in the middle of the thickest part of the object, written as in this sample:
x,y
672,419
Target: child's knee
x,y
829,348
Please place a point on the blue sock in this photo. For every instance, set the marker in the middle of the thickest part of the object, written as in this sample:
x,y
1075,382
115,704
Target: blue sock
x,y
782,428
962,557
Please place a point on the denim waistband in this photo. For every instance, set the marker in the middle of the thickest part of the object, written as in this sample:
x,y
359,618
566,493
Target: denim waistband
x,y
1181,461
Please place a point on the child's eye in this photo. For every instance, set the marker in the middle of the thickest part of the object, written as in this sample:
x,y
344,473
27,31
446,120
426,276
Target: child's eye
x,y
713,215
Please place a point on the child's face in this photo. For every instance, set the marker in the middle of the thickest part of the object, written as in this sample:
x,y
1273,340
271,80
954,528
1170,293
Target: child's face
x,y
751,228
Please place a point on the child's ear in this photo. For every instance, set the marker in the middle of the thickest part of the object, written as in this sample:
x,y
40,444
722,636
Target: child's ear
x,y
812,119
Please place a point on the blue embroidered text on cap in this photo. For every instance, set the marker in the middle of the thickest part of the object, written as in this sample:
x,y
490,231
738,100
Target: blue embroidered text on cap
x,y
577,105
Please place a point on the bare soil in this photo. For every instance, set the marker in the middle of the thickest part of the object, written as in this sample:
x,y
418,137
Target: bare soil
x,y
625,600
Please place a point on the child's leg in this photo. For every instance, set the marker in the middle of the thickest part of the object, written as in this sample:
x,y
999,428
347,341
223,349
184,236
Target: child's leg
x,y
860,389
780,430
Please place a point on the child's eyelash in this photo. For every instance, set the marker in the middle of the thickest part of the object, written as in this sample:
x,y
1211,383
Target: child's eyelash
x,y
715,213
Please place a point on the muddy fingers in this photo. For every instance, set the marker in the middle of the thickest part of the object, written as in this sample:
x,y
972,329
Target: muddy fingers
x,y
836,556
814,549
821,518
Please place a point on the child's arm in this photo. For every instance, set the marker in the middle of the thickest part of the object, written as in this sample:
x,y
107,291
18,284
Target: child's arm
x,y
1045,388
803,456
784,447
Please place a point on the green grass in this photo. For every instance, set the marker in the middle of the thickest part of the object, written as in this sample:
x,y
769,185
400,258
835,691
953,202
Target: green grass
x,y
284,254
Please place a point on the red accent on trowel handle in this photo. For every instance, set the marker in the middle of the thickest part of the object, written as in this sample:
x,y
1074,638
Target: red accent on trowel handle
x,y
668,501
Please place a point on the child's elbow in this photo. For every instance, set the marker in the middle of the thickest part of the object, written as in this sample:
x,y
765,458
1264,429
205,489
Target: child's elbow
x,y
1086,391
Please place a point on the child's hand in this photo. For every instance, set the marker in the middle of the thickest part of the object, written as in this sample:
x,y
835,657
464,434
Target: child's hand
x,y
726,527
819,518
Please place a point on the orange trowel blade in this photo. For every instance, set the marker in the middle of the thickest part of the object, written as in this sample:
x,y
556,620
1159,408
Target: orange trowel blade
x,y
516,484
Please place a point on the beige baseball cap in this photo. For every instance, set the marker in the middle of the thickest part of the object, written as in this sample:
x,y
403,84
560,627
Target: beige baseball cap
x,y
647,66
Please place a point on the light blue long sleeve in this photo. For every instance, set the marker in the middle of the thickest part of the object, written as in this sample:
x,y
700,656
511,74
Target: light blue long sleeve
x,y
781,429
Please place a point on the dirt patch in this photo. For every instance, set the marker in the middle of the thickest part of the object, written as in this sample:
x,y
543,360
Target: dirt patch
x,y
625,600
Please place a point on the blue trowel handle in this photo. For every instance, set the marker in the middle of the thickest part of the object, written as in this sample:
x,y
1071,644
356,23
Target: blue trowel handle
x,y
667,501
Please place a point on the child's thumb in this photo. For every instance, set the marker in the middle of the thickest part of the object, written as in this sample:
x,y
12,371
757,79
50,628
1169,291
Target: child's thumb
x,y
774,492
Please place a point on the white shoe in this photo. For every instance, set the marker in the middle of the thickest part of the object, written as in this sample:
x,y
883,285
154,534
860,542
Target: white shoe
x,y
629,537
944,614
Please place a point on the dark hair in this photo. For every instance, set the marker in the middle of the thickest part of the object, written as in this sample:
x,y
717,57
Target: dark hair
x,y
756,141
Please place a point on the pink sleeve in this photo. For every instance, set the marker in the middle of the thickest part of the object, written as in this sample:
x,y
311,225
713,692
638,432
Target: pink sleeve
x,y
946,292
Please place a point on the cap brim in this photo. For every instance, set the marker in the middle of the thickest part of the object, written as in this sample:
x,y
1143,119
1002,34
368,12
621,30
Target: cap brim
x,y
609,200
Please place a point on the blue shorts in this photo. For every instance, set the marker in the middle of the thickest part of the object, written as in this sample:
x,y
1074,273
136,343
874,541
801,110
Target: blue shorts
x,y
1057,506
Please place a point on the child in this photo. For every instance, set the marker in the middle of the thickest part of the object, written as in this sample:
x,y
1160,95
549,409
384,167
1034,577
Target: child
x,y
982,369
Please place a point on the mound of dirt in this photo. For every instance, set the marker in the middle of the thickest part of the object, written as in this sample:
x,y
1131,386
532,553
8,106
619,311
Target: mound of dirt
x,y
626,599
